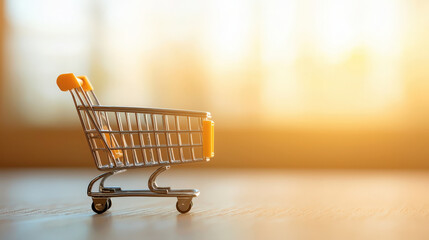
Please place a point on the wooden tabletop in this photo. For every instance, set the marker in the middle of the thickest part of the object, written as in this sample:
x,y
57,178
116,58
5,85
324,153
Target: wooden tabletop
x,y
234,204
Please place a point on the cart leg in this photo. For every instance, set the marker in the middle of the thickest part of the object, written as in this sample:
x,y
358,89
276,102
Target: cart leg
x,y
103,177
152,181
102,204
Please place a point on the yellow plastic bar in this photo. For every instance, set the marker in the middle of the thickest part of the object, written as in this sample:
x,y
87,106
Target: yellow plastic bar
x,y
69,81
208,138
116,153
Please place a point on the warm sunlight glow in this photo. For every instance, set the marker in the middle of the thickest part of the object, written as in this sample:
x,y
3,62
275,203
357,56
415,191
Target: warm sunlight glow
x,y
300,63
338,62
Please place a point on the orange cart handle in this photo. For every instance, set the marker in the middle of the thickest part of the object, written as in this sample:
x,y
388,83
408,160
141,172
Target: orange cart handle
x,y
69,81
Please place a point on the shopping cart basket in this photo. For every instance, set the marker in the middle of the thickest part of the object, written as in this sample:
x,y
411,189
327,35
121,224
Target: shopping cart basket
x,y
121,138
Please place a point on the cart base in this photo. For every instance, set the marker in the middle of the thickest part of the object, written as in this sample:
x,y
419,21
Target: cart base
x,y
101,201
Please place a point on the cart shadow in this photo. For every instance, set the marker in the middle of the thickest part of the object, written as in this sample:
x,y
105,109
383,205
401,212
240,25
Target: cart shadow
x,y
184,222
101,224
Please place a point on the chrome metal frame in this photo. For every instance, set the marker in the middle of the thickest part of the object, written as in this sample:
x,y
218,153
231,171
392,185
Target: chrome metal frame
x,y
138,145
153,191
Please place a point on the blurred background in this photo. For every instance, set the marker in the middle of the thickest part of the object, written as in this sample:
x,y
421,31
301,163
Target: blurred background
x,y
290,83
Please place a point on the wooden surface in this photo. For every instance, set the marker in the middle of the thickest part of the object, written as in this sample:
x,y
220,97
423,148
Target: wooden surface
x,y
234,204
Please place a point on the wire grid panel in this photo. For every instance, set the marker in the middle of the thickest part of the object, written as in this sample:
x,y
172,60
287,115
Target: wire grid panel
x,y
135,139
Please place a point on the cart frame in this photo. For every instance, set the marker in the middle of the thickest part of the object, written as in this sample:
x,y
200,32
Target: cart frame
x,y
143,137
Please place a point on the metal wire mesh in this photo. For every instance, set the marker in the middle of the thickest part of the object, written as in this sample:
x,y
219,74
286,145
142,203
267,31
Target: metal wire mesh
x,y
126,137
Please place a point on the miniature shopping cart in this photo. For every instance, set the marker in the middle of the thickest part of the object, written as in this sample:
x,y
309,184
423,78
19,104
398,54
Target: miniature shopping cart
x,y
121,138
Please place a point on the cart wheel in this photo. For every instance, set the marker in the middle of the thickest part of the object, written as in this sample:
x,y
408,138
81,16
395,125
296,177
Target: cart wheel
x,y
109,204
184,205
100,208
